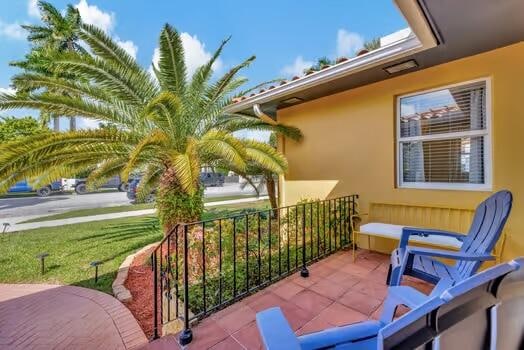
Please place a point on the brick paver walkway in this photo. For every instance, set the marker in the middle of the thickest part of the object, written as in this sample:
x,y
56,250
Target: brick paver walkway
x,y
36,316
337,292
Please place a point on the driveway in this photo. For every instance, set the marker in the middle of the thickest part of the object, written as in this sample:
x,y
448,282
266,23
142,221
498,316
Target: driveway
x,y
39,316
14,210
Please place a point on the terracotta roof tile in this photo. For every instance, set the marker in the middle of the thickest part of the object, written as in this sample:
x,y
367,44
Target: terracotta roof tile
x,y
296,77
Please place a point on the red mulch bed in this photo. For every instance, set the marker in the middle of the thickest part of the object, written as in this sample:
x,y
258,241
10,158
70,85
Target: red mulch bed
x,y
140,283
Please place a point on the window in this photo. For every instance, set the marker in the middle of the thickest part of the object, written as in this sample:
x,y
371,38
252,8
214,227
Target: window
x,y
443,138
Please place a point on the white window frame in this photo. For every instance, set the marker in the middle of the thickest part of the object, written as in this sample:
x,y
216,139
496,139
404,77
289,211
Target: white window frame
x,y
487,133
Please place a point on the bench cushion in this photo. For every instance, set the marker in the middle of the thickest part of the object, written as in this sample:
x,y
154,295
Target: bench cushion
x,y
395,231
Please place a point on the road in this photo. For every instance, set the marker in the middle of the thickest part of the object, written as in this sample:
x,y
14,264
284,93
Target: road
x,y
18,209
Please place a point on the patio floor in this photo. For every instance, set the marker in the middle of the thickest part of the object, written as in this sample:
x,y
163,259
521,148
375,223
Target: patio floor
x,y
337,292
41,316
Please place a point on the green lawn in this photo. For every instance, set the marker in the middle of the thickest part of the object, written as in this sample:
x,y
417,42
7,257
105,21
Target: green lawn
x,y
118,209
71,248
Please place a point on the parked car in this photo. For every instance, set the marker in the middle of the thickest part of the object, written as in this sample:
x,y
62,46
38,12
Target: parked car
x,y
44,191
131,192
210,179
114,182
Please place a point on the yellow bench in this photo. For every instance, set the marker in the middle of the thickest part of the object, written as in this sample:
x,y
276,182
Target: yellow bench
x,y
386,220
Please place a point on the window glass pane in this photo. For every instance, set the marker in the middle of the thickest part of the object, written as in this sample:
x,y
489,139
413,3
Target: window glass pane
x,y
456,109
459,160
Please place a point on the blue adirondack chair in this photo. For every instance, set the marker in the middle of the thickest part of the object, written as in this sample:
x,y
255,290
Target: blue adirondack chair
x,y
479,305
486,228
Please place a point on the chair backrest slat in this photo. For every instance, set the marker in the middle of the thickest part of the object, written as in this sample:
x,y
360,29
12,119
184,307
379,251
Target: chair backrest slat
x,y
485,230
474,314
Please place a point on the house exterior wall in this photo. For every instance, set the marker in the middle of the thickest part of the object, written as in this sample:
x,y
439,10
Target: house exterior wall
x,y
349,141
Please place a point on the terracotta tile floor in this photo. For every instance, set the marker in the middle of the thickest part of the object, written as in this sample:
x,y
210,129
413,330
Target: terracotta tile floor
x,y
337,292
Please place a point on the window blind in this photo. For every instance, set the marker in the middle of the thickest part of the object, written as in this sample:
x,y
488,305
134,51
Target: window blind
x,y
442,136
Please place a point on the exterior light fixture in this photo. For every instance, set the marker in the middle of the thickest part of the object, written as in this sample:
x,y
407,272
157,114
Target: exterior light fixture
x,y
401,66
95,265
293,100
42,257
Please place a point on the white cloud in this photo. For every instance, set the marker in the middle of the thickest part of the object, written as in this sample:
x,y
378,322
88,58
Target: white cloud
x,y
32,8
195,54
7,90
83,123
128,46
12,30
91,14
262,136
348,42
297,68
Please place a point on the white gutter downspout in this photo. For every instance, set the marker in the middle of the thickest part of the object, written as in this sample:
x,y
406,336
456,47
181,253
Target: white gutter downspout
x,y
263,116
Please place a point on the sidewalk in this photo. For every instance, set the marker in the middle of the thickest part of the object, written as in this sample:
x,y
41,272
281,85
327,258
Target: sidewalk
x,y
52,223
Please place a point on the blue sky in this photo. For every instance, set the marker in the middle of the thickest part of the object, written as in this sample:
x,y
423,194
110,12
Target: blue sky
x,y
284,35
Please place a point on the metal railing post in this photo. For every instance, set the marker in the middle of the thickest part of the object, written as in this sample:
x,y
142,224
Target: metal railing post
x,y
304,271
155,294
187,335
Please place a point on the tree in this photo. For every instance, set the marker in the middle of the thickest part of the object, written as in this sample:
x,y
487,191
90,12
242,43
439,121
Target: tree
x,y
170,125
265,177
320,63
372,44
12,128
58,33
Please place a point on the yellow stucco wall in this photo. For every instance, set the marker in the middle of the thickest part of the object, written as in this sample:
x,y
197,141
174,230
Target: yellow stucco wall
x,y
349,140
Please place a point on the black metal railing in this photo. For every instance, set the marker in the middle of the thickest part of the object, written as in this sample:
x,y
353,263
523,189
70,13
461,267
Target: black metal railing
x,y
201,267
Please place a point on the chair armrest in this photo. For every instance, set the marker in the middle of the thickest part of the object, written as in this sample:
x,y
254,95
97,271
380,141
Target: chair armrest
x,y
349,337
448,254
412,231
352,220
275,331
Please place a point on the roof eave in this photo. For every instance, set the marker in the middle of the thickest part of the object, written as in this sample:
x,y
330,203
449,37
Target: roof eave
x,y
422,38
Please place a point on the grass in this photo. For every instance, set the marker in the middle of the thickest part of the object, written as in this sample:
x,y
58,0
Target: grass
x,y
72,248
117,209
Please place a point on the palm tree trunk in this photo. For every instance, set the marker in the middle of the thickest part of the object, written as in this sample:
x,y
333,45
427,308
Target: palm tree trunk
x,y
72,124
56,123
174,205
72,120
271,190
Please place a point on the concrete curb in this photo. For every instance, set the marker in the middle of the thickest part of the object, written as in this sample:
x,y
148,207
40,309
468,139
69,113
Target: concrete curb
x,y
119,290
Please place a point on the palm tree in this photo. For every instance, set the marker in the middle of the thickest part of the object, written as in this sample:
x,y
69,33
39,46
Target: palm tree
x,y
265,177
58,33
167,126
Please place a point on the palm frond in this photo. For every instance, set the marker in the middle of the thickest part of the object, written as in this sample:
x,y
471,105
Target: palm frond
x,y
155,139
217,144
105,170
187,168
172,68
217,90
105,47
266,156
64,106
114,79
234,123
149,180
